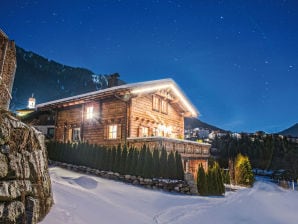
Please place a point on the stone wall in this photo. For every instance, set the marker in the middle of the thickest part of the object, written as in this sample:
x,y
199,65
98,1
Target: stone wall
x,y
7,69
25,186
177,186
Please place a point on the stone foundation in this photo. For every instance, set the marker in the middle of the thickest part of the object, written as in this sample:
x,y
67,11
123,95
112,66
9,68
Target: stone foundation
x,y
177,186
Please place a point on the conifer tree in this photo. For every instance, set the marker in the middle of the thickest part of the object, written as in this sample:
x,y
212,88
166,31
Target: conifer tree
x,y
180,171
103,159
172,167
109,159
148,164
141,161
220,188
135,158
117,159
156,163
113,158
211,182
123,160
202,181
129,161
243,171
163,163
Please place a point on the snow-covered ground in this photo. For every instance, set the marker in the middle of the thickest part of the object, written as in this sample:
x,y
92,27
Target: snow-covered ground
x,y
80,198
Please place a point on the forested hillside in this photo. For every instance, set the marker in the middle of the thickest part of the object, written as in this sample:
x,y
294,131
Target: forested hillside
x,y
264,151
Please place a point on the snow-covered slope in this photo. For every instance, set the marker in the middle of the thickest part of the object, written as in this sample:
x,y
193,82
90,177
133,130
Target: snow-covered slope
x,y
81,198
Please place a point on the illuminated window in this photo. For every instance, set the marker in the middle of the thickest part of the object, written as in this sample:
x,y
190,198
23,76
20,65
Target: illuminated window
x,y
164,106
144,132
155,103
112,131
89,114
76,134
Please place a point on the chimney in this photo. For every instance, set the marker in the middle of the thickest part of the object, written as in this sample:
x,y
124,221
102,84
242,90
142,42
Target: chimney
x,y
113,80
7,69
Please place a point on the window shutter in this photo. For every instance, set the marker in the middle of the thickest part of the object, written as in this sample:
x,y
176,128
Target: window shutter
x,y
119,131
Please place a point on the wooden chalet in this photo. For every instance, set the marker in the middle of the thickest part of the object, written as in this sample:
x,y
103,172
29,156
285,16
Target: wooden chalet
x,y
149,113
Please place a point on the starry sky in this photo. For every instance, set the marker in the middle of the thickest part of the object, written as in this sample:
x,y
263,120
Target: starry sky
x,y
236,60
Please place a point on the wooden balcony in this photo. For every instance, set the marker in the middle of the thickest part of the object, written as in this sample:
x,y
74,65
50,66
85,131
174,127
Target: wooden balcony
x,y
187,149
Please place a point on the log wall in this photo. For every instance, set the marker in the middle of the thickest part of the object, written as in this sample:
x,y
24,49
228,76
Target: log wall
x,y
7,69
143,115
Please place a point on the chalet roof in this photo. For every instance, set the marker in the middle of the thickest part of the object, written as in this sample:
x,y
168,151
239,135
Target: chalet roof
x,y
127,91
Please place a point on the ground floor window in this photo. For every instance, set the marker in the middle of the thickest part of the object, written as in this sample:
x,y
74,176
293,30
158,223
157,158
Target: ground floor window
x,y
76,134
112,131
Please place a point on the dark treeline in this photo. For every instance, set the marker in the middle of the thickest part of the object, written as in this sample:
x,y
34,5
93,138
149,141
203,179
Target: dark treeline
x,y
139,162
264,151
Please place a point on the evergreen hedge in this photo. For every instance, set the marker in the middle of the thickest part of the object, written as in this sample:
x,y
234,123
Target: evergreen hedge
x,y
139,162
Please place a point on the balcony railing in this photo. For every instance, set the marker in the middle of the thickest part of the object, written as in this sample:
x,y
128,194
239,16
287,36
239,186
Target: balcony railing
x,y
187,149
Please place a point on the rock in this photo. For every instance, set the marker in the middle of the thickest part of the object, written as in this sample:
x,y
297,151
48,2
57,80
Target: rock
x,y
14,212
25,185
3,165
177,188
135,182
127,177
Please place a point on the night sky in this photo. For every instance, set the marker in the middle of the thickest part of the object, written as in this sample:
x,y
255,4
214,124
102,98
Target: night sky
x,y
236,60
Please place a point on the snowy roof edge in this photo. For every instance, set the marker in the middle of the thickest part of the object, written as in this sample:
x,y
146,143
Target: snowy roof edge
x,y
125,86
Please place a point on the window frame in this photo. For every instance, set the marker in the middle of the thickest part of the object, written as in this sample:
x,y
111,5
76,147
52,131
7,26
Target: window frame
x,y
89,112
112,131
164,106
76,135
155,103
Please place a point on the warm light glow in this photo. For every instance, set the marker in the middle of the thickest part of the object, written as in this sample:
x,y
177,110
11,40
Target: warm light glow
x,y
31,103
89,114
165,86
112,131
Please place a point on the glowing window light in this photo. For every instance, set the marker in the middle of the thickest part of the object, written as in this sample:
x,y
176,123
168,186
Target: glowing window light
x,y
89,114
112,131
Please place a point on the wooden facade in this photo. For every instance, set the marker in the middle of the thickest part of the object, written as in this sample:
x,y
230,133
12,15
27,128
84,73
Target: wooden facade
x,y
149,113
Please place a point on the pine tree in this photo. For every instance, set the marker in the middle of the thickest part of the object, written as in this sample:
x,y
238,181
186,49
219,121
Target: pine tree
x,y
129,161
163,163
141,161
123,160
180,171
117,159
148,164
109,160
103,159
172,167
243,171
135,158
113,158
156,163
220,188
202,181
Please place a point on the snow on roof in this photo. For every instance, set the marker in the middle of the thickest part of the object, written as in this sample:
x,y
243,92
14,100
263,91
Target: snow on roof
x,y
135,88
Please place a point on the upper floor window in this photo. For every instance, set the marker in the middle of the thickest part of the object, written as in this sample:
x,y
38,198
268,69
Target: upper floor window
x,y
155,103
164,106
89,112
112,131
144,132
